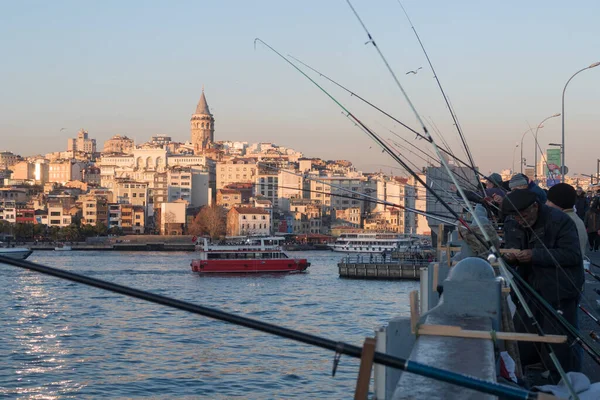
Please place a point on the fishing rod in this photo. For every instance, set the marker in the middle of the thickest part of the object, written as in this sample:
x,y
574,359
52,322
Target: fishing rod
x,y
419,135
589,315
593,275
398,152
464,179
487,242
395,157
452,113
449,195
339,347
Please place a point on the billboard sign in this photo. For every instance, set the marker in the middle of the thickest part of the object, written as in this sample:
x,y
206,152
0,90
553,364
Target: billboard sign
x,y
553,164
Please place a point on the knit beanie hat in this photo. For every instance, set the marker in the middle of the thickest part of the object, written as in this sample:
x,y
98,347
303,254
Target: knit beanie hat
x,y
563,195
495,178
518,180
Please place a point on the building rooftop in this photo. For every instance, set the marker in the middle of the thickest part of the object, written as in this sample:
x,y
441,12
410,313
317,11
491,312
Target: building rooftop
x,y
202,107
250,210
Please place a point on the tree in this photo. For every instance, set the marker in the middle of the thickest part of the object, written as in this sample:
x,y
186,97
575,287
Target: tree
x,y
100,229
209,221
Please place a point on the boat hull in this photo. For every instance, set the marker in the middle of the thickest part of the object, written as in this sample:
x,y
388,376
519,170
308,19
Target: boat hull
x,y
16,253
64,248
280,265
363,249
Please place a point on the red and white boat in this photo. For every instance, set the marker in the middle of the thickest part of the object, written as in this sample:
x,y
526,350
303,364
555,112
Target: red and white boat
x,y
248,255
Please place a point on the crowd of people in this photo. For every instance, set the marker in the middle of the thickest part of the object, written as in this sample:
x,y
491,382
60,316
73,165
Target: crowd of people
x,y
549,232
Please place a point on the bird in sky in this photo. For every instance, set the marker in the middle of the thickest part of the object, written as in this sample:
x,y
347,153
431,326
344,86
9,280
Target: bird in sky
x,y
62,129
415,71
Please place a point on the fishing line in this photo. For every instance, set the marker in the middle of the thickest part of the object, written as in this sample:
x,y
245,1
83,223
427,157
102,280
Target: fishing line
x,y
454,117
503,266
419,135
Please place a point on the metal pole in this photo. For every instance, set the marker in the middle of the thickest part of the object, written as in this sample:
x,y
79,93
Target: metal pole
x,y
523,137
522,156
562,161
540,125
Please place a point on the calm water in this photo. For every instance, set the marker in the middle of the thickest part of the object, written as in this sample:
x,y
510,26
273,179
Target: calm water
x,y
65,340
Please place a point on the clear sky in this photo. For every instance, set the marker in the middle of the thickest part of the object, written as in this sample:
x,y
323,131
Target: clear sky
x,y
137,68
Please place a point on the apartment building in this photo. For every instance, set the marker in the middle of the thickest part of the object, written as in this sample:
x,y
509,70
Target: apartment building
x,y
237,170
248,221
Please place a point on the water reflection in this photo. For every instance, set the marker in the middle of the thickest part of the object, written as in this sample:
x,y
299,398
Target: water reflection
x,y
65,340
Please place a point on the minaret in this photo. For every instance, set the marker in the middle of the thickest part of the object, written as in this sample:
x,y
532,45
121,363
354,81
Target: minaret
x,y
202,126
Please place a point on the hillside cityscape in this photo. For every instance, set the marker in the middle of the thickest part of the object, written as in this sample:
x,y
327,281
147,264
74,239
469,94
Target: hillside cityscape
x,y
201,187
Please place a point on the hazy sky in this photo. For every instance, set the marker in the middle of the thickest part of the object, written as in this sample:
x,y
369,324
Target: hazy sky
x,y
137,68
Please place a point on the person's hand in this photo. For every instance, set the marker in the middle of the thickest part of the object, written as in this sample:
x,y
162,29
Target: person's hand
x,y
497,198
524,256
510,258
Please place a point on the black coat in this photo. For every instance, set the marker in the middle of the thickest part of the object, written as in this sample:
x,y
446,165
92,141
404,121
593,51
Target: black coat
x,y
558,233
581,205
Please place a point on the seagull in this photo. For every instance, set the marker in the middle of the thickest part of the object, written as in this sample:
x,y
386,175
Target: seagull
x,y
414,72
62,129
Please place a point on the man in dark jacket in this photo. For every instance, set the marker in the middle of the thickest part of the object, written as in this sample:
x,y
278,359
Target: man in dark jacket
x,y
581,203
548,256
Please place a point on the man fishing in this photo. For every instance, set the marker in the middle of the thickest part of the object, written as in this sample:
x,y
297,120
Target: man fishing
x,y
548,256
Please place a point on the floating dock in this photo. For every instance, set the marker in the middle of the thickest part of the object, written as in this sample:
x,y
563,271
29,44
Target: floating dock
x,y
378,267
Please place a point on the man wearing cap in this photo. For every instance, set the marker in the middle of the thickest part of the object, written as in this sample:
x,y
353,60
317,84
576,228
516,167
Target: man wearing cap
x,y
548,256
521,181
562,196
493,192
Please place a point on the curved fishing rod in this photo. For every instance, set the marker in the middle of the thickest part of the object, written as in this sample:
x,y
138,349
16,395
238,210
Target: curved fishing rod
x,y
339,347
487,242
496,254
375,137
452,113
464,179
449,195
419,135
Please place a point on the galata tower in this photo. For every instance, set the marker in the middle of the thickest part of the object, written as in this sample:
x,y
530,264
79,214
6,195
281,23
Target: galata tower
x,y
202,126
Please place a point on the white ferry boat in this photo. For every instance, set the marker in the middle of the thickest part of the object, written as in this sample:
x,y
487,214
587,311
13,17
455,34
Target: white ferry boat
x,y
371,243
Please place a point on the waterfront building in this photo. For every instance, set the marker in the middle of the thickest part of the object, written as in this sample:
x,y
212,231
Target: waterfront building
x,y
94,209
248,221
351,217
132,219
8,211
171,217
56,216
306,216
